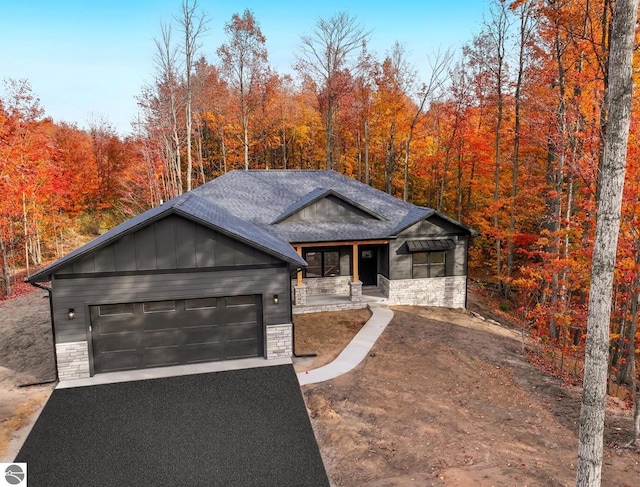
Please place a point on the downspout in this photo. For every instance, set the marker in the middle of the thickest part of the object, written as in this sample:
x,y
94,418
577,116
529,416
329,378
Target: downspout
x,y
293,326
53,337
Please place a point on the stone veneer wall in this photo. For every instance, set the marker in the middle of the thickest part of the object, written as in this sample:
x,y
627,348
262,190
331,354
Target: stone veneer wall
x,y
73,360
279,341
318,286
446,292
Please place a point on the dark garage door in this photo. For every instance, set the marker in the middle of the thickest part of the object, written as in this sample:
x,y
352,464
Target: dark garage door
x,y
130,336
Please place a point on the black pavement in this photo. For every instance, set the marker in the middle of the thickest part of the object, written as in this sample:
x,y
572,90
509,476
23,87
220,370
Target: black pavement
x,y
236,428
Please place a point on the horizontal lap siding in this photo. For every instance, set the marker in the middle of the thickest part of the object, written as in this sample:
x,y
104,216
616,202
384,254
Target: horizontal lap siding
x,y
400,258
82,292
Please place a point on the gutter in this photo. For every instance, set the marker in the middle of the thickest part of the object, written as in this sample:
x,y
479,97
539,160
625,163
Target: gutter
x,y
53,337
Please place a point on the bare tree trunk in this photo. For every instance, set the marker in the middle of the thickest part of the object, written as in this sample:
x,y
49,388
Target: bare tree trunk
x,y
25,223
612,173
366,153
6,274
192,28
525,33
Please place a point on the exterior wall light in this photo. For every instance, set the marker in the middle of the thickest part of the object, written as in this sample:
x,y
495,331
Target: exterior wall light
x,y
71,314
276,299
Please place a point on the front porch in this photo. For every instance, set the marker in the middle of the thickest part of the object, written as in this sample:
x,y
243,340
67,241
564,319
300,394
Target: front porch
x,y
340,302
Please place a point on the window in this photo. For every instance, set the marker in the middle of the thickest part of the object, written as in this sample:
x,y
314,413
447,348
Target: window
x,y
159,306
200,303
234,301
322,263
116,309
428,264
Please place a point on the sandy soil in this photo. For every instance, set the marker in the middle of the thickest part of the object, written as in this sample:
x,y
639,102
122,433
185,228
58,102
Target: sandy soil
x,y
326,335
446,399
26,357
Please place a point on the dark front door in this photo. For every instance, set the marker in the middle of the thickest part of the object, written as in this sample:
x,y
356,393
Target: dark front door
x,y
368,266
173,332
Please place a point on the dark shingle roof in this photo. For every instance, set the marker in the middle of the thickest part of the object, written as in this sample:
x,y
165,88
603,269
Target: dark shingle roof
x,y
251,206
265,197
192,207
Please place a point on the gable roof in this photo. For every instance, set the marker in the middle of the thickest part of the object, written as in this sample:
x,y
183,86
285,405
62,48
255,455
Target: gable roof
x,y
253,206
316,195
266,198
194,208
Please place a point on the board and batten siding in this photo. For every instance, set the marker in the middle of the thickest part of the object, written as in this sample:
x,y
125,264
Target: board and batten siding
x,y
400,261
330,208
172,258
171,243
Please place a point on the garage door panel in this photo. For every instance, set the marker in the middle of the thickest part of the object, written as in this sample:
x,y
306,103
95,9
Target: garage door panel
x,y
116,342
160,321
202,334
236,331
241,349
161,356
204,352
160,338
122,360
111,325
171,332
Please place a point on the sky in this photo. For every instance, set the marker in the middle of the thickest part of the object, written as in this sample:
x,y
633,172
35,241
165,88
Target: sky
x,y
87,61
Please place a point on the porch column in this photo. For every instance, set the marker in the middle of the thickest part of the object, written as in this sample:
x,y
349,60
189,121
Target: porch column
x,y
355,287
354,260
299,290
299,274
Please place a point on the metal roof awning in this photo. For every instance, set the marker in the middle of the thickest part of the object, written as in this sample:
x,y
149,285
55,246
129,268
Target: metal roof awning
x,y
430,245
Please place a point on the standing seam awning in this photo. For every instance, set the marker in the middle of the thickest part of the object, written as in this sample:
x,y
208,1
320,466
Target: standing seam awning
x,y
430,245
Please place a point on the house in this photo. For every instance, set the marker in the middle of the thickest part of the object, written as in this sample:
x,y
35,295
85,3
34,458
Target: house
x,y
214,274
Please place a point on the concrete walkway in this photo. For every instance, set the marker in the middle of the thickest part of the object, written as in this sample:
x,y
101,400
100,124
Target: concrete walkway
x,y
355,351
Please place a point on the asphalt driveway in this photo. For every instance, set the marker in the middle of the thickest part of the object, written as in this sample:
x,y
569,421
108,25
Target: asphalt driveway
x,y
236,428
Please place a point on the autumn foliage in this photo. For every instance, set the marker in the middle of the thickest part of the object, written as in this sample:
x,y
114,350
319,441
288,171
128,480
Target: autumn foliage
x,y
504,135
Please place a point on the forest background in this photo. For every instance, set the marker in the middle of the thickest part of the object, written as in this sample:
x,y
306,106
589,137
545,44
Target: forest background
x,y
505,135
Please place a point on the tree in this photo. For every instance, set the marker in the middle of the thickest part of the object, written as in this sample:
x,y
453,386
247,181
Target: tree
x,y
193,27
324,54
611,183
244,63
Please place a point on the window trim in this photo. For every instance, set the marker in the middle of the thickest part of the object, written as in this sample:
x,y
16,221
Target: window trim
x,y
322,252
429,265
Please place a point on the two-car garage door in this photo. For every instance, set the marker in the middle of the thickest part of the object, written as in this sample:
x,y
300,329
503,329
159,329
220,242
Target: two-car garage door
x,y
130,336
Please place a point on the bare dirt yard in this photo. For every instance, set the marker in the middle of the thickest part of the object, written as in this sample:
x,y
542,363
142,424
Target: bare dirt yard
x,y
446,399
26,357
443,399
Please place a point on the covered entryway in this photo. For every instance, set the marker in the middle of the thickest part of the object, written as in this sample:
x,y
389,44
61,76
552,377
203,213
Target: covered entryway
x,y
368,265
127,336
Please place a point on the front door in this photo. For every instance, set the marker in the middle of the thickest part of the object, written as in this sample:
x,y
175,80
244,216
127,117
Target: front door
x,y
368,266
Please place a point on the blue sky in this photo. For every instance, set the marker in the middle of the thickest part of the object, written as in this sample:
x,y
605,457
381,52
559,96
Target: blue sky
x,y
88,60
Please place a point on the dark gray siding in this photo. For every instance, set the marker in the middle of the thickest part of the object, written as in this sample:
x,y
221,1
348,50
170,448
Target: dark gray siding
x,y
400,257
330,208
81,292
170,243
172,258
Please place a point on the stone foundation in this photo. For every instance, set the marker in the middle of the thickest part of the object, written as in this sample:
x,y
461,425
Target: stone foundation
x,y
73,360
299,295
279,341
446,292
355,291
325,285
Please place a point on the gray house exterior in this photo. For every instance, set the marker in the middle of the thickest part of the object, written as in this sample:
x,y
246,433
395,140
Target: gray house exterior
x,y
216,273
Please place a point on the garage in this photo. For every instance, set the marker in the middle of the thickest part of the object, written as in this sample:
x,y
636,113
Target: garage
x,y
183,283
128,336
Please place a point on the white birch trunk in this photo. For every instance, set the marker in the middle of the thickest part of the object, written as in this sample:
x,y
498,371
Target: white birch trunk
x,y
612,173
